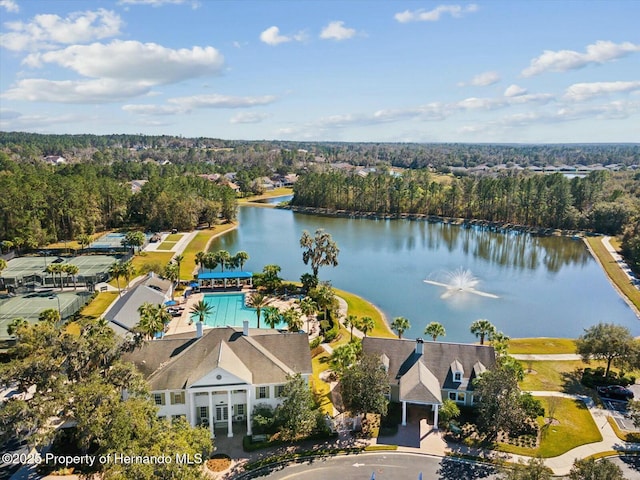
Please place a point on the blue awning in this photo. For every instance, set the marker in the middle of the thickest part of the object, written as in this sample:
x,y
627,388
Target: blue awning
x,y
169,303
224,275
194,284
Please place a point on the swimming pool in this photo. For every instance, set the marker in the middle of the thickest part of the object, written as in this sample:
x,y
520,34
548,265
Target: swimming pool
x,y
228,309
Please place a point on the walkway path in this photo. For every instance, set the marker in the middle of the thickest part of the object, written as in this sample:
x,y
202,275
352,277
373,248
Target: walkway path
x,y
606,241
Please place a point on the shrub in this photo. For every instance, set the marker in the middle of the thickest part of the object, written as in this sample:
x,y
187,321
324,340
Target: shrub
x,y
532,407
263,419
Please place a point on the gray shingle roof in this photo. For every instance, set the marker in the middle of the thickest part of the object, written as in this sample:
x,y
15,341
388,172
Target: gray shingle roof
x,y
124,314
262,357
438,358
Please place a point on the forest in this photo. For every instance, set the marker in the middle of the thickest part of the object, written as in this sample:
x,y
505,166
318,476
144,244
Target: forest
x,y
41,204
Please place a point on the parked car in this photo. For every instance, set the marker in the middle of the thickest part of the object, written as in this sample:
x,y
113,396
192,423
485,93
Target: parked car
x,y
615,392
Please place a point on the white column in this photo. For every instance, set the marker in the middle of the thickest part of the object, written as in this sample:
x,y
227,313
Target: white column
x,y
248,411
229,415
191,408
213,435
404,413
435,408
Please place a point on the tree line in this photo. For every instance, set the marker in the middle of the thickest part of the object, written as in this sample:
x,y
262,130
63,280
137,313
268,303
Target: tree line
x,y
553,201
41,204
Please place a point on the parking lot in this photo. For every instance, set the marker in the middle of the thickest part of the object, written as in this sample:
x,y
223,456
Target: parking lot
x,y
618,410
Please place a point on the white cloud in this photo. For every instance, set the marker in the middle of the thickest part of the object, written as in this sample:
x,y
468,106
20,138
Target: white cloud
x,y
434,15
131,61
482,79
50,31
563,60
249,117
187,104
10,6
271,36
514,91
585,91
68,91
337,31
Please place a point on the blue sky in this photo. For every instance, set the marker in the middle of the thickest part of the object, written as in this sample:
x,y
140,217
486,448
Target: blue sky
x,y
345,70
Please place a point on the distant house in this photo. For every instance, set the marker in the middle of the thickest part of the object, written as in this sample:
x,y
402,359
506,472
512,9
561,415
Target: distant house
x,y
426,373
55,160
123,316
136,185
216,378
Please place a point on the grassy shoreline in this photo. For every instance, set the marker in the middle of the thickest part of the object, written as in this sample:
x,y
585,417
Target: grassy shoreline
x,y
617,277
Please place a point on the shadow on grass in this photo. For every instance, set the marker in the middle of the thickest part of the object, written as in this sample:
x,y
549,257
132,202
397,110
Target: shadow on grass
x,y
571,383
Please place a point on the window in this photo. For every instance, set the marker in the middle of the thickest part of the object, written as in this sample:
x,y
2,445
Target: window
x,y
262,392
240,409
279,390
458,397
158,398
204,412
457,377
177,398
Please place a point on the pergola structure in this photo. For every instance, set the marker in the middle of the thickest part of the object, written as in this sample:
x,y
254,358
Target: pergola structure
x,y
224,279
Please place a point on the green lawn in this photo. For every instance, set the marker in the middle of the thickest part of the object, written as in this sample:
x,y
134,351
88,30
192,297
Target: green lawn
x,y
166,245
554,376
200,243
541,346
173,237
321,389
576,427
99,304
614,272
360,307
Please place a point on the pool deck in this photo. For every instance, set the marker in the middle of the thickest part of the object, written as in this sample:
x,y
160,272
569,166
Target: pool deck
x,y
183,323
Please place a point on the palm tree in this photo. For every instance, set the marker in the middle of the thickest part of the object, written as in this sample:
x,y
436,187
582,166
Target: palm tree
x,y
258,301
72,270
350,322
482,328
400,325
343,357
242,257
308,307
3,264
222,257
201,310
435,330
152,319
210,261
272,316
172,272
128,270
293,319
115,271
366,324
200,258
84,240
178,259
54,268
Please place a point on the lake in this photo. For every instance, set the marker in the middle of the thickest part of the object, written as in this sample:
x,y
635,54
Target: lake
x,y
545,286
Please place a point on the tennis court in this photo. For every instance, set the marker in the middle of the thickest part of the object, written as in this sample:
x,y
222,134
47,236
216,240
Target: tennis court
x,y
29,272
30,306
108,240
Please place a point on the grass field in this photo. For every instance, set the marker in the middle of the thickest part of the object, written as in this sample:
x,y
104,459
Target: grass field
x,y
576,427
539,346
99,304
167,245
142,261
321,389
360,307
555,376
174,237
199,244
277,192
617,276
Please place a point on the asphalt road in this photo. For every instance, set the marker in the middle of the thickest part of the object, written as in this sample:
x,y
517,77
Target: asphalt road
x,y
381,466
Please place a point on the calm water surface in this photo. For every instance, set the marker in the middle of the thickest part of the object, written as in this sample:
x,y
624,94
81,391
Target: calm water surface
x,y
547,286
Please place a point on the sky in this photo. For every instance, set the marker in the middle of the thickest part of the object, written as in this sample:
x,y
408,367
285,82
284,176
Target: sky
x,y
511,71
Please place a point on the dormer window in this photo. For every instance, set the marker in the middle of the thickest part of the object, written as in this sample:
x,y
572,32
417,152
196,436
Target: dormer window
x,y
457,371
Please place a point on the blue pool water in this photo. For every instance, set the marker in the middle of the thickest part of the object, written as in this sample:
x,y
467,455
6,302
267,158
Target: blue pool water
x,y
228,309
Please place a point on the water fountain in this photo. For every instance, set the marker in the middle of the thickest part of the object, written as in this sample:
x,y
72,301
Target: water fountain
x,y
460,281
